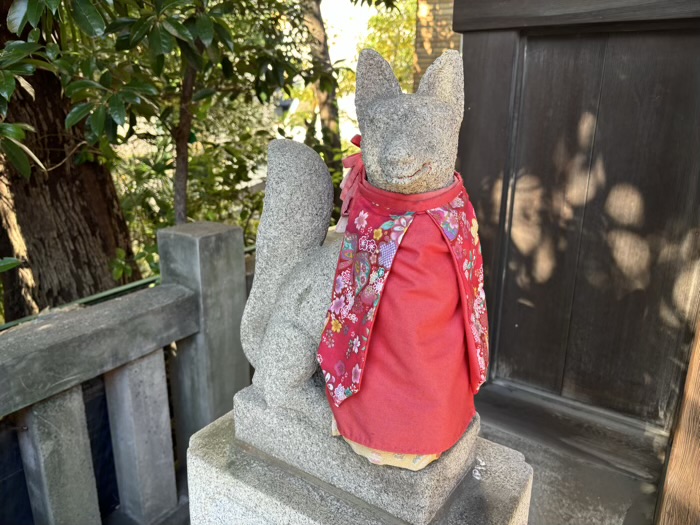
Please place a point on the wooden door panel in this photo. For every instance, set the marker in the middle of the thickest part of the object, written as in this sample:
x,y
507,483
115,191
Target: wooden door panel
x,y
485,135
638,276
555,133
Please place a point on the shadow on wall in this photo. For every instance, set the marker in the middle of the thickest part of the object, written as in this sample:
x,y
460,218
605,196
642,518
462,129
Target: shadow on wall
x,y
612,256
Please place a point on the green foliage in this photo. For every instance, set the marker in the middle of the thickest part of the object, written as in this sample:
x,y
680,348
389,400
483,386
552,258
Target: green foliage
x,y
15,64
124,64
126,59
224,163
392,33
8,263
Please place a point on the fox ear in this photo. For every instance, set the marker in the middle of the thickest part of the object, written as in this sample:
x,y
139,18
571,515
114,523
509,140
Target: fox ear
x,y
375,79
444,79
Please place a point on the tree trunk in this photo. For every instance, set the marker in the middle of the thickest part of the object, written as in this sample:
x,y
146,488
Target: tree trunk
x,y
181,136
326,101
67,224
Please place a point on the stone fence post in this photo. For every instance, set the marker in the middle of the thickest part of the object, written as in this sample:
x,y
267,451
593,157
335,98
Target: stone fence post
x,y
208,367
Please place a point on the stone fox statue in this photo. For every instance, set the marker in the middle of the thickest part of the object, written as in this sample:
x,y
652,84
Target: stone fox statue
x,y
393,312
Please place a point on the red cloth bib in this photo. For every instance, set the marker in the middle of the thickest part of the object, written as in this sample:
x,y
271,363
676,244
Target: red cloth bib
x,y
401,378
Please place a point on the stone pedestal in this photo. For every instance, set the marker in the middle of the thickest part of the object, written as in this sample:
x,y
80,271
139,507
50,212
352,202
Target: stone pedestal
x,y
231,482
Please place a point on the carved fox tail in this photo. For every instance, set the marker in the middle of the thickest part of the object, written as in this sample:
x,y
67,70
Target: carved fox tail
x,y
296,215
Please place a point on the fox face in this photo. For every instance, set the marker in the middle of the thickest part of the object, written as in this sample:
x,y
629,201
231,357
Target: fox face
x,y
409,141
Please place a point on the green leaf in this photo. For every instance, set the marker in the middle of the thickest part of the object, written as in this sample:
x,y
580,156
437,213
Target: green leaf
x,y
227,68
17,158
7,263
12,131
88,18
80,85
160,42
78,113
191,55
203,93
27,151
158,63
224,35
205,29
53,5
52,51
34,11
96,120
41,64
130,97
17,16
123,42
34,35
119,24
3,107
178,30
139,29
7,85
139,86
161,7
21,69
117,109
111,130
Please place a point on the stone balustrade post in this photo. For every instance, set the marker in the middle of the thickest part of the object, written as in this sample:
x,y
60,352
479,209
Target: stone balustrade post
x,y
208,367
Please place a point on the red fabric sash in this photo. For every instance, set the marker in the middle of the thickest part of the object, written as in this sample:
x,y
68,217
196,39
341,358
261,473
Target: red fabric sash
x,y
377,222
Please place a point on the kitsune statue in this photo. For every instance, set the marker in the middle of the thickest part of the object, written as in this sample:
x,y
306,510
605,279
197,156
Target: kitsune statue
x,y
393,311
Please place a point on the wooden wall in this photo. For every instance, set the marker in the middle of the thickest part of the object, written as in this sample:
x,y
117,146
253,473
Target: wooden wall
x,y
581,151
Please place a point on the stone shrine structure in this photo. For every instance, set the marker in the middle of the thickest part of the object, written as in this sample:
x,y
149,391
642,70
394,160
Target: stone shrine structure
x,y
273,459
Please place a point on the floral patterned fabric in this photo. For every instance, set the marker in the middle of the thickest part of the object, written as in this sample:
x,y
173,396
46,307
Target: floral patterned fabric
x,y
367,252
370,245
459,226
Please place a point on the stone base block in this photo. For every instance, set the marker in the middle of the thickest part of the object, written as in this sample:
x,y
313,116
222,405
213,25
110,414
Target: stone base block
x,y
294,439
231,483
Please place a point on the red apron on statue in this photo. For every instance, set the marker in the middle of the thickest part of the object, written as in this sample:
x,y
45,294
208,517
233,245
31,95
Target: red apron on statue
x,y
405,345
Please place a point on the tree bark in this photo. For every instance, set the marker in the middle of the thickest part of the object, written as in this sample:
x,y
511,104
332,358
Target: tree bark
x,y
326,101
67,224
181,136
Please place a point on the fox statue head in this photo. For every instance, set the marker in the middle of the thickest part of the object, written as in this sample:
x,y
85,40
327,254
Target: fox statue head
x,y
409,141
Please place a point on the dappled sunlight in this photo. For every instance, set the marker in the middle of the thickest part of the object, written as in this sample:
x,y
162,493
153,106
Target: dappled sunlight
x,y
544,261
496,195
543,215
625,205
595,251
577,193
686,298
8,220
586,130
526,232
632,256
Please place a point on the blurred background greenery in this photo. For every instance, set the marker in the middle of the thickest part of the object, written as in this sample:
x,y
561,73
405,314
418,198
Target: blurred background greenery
x,y
118,118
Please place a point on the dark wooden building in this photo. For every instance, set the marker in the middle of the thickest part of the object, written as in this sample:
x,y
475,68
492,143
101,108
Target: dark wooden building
x,y
581,152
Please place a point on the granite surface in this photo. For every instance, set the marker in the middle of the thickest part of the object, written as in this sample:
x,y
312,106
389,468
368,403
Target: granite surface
x,y
231,484
409,141
297,210
298,440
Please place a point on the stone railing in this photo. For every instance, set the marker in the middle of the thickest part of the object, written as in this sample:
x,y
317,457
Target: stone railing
x,y
43,363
